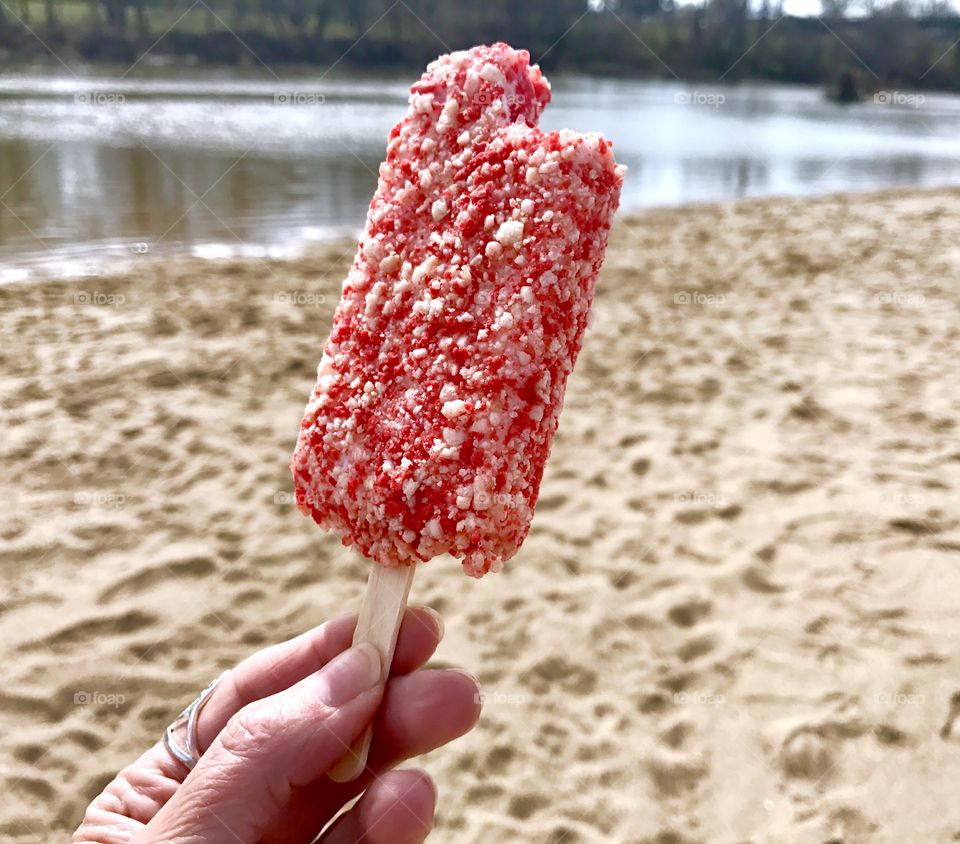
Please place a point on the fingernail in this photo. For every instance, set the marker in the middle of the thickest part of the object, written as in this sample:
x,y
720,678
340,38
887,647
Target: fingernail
x,y
478,694
433,787
437,618
350,674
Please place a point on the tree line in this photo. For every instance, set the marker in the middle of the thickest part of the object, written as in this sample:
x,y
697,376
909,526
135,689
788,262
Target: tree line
x,y
870,46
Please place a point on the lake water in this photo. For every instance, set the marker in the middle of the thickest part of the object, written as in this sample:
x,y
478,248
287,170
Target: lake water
x,y
95,165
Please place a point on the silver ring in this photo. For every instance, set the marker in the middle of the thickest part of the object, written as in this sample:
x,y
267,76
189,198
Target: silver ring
x,y
190,754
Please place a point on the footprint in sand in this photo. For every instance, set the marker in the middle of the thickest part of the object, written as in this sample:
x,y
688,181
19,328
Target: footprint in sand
x,y
29,753
95,629
638,505
676,734
28,707
691,517
484,791
32,787
549,503
599,480
653,703
807,755
758,579
148,578
86,740
690,611
946,731
674,772
499,758
556,670
890,735
621,579
696,647
522,806
848,824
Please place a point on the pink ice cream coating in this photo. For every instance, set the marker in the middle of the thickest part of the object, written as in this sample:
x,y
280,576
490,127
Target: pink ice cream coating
x,y
441,384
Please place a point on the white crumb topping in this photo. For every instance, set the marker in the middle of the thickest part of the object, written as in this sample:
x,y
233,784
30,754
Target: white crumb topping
x,y
390,264
454,436
372,250
453,409
439,210
425,269
510,233
448,117
493,75
422,103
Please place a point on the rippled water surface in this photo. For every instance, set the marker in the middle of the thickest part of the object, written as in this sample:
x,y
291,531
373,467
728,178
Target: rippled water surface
x,y
95,164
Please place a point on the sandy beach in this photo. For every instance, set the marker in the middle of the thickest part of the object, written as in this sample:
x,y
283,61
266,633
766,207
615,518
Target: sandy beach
x,y
737,615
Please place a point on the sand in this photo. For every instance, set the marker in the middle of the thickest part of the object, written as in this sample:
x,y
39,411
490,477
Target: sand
x,y
736,617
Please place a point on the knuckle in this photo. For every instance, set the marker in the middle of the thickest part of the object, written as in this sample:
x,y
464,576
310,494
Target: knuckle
x,y
248,732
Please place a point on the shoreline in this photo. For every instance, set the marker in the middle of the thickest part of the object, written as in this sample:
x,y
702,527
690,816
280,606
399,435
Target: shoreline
x,y
35,270
127,257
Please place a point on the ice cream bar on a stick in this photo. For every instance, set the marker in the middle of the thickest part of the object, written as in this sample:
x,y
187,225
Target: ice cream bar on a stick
x,y
440,386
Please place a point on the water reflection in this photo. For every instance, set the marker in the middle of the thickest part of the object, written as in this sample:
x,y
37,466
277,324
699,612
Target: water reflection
x,y
96,165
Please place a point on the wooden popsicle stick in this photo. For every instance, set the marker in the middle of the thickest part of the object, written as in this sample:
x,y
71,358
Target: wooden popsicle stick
x,y
379,624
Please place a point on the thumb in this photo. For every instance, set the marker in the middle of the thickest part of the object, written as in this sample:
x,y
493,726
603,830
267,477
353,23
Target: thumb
x,y
243,782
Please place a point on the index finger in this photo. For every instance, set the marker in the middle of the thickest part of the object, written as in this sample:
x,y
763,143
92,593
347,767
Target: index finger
x,y
278,667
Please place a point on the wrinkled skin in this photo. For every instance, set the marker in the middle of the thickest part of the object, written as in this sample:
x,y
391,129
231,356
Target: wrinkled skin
x,y
275,726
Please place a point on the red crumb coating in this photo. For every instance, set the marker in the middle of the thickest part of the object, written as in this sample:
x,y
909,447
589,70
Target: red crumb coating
x,y
441,384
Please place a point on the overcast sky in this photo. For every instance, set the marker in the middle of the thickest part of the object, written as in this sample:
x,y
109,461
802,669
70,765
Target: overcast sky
x,y
801,8
812,7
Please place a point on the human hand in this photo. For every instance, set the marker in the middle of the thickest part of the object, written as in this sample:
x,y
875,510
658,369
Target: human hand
x,y
274,727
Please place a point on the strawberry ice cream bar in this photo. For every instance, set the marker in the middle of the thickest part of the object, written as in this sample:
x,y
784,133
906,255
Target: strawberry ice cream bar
x,y
440,387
